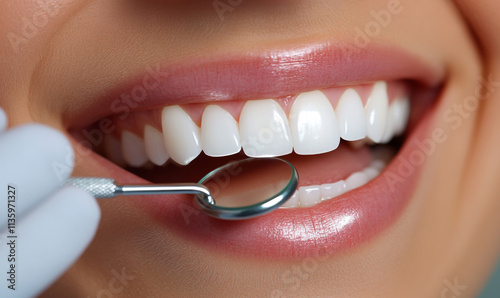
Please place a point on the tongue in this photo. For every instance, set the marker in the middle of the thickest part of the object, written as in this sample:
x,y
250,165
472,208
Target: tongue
x,y
313,169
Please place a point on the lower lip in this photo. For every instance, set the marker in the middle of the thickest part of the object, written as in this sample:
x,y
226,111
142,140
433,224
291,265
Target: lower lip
x,y
327,228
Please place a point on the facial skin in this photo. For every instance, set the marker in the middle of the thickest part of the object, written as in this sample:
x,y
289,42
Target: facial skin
x,y
448,232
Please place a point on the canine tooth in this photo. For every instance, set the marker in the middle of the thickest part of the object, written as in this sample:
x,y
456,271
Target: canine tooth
x,y
401,116
309,195
293,202
264,129
155,146
133,149
376,111
219,132
388,133
332,190
351,116
113,150
356,180
313,124
181,135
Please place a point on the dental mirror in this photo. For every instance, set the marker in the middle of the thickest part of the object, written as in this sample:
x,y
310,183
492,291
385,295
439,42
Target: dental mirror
x,y
239,190
248,188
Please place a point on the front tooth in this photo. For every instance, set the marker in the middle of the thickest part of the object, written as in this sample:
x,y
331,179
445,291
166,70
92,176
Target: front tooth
x,y
155,146
219,132
309,195
181,135
313,124
264,129
376,111
351,116
133,149
402,114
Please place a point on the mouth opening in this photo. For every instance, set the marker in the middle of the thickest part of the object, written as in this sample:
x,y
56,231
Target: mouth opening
x,y
338,138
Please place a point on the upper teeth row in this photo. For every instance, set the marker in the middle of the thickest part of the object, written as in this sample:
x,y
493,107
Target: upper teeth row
x,y
312,127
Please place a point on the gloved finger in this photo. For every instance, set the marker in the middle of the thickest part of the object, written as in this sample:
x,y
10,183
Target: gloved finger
x,y
50,238
34,161
3,120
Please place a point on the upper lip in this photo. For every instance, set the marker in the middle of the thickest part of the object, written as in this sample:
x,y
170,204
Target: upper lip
x,y
257,75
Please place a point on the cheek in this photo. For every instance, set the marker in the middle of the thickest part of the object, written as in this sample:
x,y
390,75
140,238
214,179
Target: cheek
x,y
22,21
29,24
27,28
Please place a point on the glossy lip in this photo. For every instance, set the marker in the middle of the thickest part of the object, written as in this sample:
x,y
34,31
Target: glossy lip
x,y
325,229
328,227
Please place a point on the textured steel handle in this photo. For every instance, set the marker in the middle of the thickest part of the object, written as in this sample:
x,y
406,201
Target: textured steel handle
x,y
98,187
106,188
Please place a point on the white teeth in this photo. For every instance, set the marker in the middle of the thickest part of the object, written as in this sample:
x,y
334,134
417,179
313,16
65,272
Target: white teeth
x,y
264,129
356,180
390,124
113,150
133,149
313,127
292,202
333,190
389,131
351,116
155,146
313,124
308,196
397,119
378,165
219,132
402,114
181,135
376,111
371,172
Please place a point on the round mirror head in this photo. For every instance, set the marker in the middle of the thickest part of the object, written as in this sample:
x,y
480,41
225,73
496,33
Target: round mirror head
x,y
248,188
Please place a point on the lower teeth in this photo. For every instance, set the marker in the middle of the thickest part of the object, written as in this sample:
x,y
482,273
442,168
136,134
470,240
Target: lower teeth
x,y
307,196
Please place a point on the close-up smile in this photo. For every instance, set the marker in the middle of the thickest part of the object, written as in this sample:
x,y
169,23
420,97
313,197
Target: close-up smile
x,y
277,148
343,120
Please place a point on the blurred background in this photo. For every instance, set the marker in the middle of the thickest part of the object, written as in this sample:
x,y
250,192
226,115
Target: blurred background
x,y
492,289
